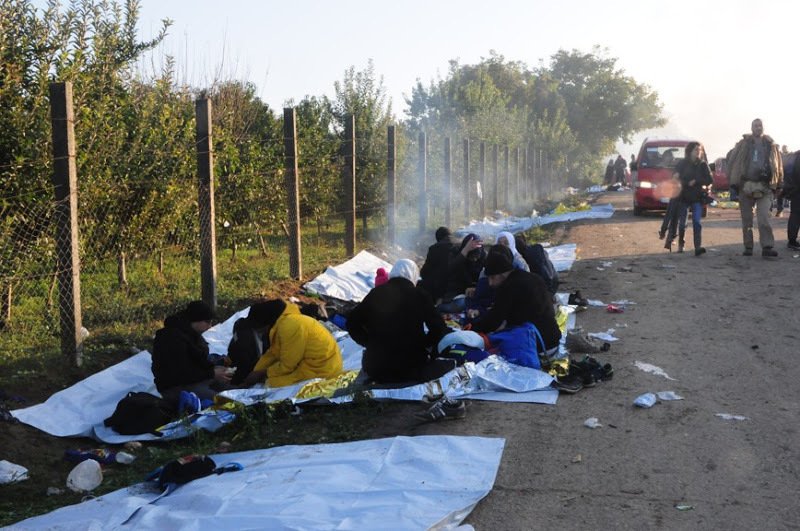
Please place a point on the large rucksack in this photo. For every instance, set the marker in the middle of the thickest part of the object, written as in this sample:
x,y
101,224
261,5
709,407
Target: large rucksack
x,y
539,262
140,413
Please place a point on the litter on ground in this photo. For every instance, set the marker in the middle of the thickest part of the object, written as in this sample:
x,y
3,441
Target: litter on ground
x,y
652,369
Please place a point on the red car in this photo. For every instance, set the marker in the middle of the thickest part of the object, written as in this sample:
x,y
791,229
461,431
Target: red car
x,y
720,175
652,181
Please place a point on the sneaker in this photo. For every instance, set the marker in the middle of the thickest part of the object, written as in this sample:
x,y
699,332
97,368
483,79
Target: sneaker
x,y
576,299
576,342
188,403
579,370
769,252
445,408
747,251
569,384
794,246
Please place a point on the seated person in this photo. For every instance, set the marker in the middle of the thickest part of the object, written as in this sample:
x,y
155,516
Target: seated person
x,y
520,297
390,323
435,269
180,356
300,347
249,342
539,262
507,239
463,273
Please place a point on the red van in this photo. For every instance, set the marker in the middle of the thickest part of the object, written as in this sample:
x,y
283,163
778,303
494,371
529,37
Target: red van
x,y
652,180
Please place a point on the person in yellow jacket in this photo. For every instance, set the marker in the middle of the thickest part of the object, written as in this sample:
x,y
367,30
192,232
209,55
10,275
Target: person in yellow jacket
x,y
300,348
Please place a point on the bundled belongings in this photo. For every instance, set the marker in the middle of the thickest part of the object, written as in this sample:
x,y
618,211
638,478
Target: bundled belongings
x,y
140,413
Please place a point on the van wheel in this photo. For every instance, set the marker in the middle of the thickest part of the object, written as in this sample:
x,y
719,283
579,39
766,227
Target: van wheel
x,y
637,211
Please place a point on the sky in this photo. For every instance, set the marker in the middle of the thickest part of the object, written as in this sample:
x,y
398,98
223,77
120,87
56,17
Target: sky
x,y
716,65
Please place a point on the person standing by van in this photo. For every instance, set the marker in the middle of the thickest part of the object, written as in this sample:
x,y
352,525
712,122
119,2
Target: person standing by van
x,y
756,172
694,175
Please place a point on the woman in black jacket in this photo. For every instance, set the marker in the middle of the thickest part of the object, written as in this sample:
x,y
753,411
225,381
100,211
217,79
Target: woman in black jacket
x,y
694,175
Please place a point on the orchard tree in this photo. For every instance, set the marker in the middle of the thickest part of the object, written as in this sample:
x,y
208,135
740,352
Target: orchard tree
x,y
363,95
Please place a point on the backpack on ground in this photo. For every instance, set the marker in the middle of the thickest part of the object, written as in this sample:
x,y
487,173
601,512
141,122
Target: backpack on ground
x,y
140,413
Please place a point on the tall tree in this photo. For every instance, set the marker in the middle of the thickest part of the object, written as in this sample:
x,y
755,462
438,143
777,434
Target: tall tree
x,y
363,95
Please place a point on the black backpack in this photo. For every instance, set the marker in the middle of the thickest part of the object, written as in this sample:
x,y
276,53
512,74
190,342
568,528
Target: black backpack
x,y
539,263
140,413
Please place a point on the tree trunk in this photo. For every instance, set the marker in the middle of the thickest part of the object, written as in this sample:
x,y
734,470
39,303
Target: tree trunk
x,y
263,244
364,220
234,248
122,270
52,288
160,262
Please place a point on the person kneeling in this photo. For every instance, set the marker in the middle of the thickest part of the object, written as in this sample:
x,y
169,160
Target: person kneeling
x,y
300,348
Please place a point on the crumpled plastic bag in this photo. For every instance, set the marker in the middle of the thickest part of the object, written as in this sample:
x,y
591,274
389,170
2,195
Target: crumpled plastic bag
x,y
11,473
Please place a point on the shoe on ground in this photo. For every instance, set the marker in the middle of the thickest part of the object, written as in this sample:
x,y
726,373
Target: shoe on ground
x,y
699,251
747,252
769,252
576,299
581,371
576,342
569,384
794,246
188,403
445,408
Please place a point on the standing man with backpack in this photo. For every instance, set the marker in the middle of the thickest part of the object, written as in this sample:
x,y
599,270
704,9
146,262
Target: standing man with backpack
x,y
756,172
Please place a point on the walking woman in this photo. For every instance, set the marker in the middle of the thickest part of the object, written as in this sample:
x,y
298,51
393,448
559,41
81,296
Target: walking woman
x,y
694,175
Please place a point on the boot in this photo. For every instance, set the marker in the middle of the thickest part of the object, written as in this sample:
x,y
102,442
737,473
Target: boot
x,y
668,244
698,243
681,240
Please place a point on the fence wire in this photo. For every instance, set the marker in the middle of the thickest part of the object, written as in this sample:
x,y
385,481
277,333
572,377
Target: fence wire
x,y
139,233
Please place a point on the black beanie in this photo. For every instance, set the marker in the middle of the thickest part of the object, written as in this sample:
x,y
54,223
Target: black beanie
x,y
198,311
442,233
266,313
500,260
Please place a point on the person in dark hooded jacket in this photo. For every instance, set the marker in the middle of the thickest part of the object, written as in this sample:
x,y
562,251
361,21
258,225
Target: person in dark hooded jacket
x,y
464,269
521,297
436,268
180,355
390,323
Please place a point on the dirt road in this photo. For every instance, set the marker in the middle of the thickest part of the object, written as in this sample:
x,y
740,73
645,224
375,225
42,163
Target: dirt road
x,y
724,327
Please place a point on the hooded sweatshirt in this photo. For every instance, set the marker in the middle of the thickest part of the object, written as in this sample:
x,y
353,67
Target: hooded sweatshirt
x,y
180,354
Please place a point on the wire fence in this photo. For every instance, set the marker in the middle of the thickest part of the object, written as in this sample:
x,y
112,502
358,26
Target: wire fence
x,y
139,241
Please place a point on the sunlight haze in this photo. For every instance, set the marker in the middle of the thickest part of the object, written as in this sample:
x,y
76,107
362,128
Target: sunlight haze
x,y
715,65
